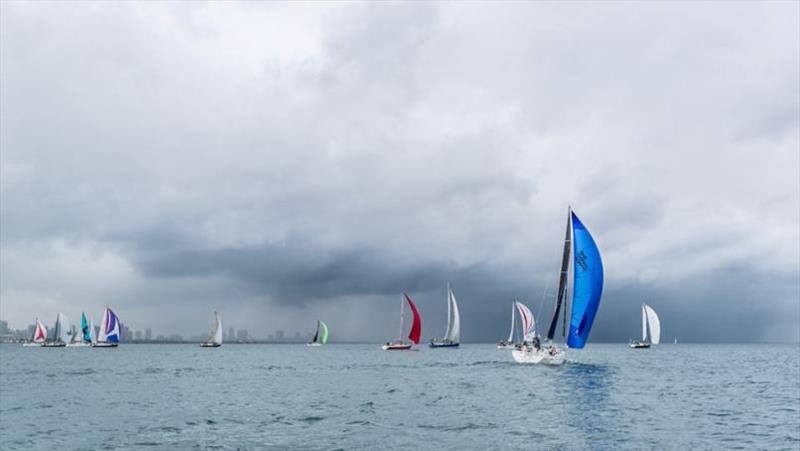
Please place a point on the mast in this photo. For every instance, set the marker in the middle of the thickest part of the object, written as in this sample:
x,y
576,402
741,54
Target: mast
x,y
511,332
562,282
447,330
402,304
644,323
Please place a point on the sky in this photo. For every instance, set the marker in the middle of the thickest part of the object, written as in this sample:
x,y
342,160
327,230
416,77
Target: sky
x,y
287,162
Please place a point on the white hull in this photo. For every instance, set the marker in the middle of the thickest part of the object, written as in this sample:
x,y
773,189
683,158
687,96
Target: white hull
x,y
313,344
505,346
104,344
32,345
543,356
79,345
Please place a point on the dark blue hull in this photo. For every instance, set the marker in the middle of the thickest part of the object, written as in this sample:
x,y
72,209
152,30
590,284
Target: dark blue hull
x,y
443,345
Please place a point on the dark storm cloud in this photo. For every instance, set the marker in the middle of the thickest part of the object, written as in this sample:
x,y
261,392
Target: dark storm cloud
x,y
277,161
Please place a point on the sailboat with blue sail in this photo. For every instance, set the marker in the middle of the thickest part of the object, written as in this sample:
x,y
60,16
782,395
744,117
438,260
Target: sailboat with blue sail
x,y
109,330
82,336
587,289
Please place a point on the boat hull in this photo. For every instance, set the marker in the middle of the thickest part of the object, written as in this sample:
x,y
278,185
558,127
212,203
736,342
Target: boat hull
x,y
54,345
503,345
313,345
539,356
397,347
79,345
32,345
435,344
104,345
639,345
210,345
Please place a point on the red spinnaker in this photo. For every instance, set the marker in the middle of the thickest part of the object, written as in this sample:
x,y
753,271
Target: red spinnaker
x,y
416,328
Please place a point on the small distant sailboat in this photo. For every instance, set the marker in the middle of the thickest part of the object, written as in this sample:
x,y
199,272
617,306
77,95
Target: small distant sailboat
x,y
676,341
452,335
109,330
60,333
649,321
215,336
416,328
321,336
586,293
82,337
38,337
509,343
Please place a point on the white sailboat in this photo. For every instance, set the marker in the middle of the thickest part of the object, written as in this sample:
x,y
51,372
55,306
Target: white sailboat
x,y
649,321
60,336
452,335
38,337
215,336
586,294
509,343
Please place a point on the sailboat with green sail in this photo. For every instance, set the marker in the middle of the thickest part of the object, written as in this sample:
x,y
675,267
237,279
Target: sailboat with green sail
x,y
321,336
82,337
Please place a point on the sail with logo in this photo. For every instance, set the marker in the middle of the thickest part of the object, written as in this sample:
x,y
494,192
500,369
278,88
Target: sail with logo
x,y
587,289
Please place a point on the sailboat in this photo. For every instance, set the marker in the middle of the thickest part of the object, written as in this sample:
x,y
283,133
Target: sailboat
x,y
587,289
215,336
321,336
649,321
82,337
109,330
38,337
416,328
60,335
452,335
509,343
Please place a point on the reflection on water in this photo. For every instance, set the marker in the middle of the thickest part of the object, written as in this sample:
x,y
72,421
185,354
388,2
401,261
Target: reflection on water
x,y
359,397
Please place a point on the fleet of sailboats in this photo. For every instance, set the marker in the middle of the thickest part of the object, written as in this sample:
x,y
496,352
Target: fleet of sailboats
x,y
586,292
416,328
650,322
452,334
320,336
215,336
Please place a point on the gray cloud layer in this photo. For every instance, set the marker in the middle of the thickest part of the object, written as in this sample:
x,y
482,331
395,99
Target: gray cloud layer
x,y
283,162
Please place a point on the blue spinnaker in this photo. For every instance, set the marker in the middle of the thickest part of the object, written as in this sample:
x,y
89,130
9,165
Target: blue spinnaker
x,y
587,287
112,328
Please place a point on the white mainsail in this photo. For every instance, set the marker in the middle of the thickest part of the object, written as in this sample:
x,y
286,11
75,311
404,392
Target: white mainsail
x,y
101,334
216,332
62,329
453,327
653,323
511,332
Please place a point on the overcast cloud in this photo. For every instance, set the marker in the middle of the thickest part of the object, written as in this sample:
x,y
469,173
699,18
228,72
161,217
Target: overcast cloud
x,y
288,162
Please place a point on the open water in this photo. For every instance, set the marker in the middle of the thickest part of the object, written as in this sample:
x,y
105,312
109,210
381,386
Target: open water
x,y
251,397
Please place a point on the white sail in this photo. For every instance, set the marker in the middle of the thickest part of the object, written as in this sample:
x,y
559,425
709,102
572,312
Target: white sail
x,y
216,332
454,326
101,334
92,334
528,323
62,328
644,323
655,325
511,332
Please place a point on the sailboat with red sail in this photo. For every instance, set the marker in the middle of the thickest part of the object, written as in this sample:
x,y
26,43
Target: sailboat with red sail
x,y
416,328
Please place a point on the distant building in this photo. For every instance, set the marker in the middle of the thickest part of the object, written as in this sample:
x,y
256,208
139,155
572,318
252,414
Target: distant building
x,y
231,334
270,337
242,335
137,335
279,336
148,334
4,330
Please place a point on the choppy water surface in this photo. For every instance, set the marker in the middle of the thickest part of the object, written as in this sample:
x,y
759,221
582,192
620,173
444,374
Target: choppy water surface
x,y
359,397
